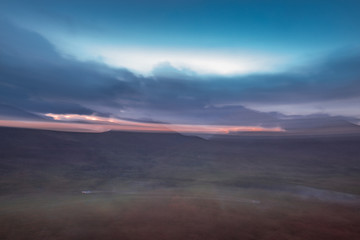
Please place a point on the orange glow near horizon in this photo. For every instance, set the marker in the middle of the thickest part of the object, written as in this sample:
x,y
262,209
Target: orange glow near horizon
x,y
65,122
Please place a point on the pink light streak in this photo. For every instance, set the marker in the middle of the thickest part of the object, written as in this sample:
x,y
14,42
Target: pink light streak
x,y
65,122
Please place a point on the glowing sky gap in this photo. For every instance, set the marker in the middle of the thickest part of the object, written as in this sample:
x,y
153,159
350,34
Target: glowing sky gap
x,y
144,60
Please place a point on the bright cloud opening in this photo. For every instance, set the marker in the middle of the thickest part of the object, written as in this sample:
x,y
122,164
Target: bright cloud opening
x,y
144,60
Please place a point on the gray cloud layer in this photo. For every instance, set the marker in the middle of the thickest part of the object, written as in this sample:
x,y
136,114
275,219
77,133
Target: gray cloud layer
x,y
36,78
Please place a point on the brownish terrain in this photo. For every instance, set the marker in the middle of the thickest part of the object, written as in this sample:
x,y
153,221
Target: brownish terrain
x,y
118,185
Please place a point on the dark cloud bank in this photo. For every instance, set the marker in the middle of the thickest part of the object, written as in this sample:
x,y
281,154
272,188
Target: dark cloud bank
x,y
36,79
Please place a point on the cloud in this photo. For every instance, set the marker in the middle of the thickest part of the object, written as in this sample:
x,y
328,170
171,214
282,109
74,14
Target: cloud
x,y
34,76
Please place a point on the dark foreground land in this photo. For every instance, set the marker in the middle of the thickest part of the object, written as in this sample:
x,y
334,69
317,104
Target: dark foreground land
x,y
116,185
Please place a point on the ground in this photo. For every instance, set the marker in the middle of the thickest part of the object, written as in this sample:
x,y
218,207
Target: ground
x,y
169,186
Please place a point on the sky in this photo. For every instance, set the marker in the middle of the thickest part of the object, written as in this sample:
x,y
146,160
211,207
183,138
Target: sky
x,y
185,66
